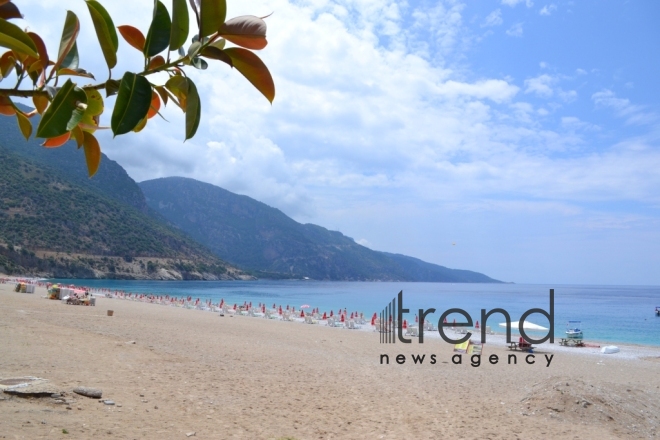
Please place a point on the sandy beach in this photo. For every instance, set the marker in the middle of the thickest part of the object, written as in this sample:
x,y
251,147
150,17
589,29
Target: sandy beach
x,y
176,373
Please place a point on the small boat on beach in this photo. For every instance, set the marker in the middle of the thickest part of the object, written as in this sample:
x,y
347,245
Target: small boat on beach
x,y
573,330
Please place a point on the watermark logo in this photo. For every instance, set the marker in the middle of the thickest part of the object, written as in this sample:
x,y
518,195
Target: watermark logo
x,y
392,316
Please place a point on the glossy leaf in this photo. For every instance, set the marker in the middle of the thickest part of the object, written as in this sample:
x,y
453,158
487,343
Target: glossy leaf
x,y
95,103
57,141
24,124
64,112
132,103
72,59
43,53
199,63
68,43
40,103
156,62
75,72
194,48
154,107
219,43
194,4
92,153
212,15
111,87
133,36
105,32
7,63
78,135
254,70
163,94
179,88
143,123
158,37
12,37
193,110
217,54
6,106
180,24
247,31
8,10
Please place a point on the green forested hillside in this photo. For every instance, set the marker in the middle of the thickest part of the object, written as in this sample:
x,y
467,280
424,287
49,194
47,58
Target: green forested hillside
x,y
44,212
111,179
255,236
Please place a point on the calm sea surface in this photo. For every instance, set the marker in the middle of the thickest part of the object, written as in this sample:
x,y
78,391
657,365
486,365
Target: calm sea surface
x,y
608,313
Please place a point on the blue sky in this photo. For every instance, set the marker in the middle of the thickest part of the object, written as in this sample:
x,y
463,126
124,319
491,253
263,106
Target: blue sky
x,y
516,138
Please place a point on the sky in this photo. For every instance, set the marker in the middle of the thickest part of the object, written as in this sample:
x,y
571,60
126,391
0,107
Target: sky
x,y
517,138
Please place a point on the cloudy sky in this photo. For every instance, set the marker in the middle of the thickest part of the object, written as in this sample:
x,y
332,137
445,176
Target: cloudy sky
x,y
518,138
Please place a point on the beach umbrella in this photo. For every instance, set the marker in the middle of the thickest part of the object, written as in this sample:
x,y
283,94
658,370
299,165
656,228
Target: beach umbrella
x,y
416,319
373,319
324,316
331,313
274,306
234,306
302,314
343,319
527,326
405,323
305,306
351,315
476,325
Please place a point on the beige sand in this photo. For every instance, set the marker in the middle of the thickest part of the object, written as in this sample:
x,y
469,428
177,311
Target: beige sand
x,y
248,378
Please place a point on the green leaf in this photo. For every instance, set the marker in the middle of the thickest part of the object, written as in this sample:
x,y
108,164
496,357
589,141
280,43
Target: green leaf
x,y
133,102
111,87
193,110
9,10
194,48
92,153
75,72
212,16
158,37
24,124
71,60
105,31
12,37
252,68
199,63
64,112
68,43
180,24
247,31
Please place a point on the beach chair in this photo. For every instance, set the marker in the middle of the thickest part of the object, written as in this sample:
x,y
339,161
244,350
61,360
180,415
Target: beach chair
x,y
413,331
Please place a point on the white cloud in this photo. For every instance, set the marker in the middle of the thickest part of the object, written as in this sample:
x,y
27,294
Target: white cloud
x,y
512,3
548,9
633,114
515,31
580,71
540,85
493,19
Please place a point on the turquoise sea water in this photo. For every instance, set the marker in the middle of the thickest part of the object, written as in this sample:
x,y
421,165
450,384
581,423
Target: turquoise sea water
x,y
608,313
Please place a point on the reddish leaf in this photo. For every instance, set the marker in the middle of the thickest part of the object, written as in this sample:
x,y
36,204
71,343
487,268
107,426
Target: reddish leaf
x,y
247,31
7,63
57,141
78,135
9,10
254,70
132,36
163,94
92,153
24,125
154,108
6,106
156,62
217,54
40,103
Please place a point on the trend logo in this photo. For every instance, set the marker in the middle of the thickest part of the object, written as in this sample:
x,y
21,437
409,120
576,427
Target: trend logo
x,y
391,322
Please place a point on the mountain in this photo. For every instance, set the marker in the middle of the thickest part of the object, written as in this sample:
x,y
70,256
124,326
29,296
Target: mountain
x,y
55,221
110,180
255,236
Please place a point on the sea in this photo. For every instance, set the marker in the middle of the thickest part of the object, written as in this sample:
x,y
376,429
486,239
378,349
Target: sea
x,y
623,314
